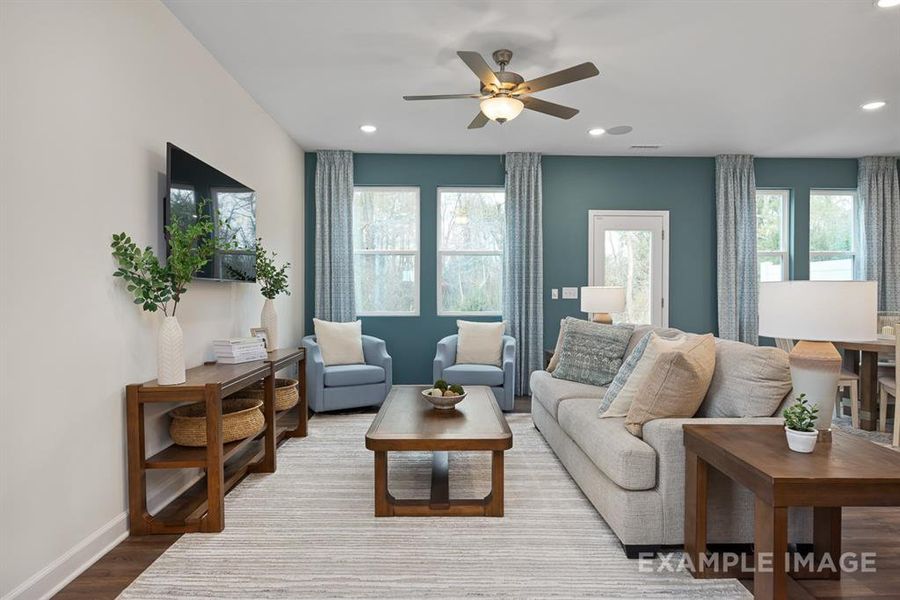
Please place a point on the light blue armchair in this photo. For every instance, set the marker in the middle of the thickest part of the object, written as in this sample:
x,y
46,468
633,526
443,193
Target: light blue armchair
x,y
501,380
348,386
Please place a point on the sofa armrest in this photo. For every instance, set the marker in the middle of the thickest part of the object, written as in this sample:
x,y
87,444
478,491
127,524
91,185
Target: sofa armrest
x,y
444,356
375,353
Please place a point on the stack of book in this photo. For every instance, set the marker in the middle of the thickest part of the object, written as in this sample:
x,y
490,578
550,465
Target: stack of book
x,y
239,350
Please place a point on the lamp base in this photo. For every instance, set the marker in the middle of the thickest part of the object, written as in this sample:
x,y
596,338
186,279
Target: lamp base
x,y
604,318
815,371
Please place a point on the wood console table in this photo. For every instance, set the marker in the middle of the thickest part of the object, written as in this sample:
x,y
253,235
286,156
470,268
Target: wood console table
x,y
202,506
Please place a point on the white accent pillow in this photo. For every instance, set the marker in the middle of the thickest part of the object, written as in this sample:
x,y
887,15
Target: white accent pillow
x,y
340,343
479,343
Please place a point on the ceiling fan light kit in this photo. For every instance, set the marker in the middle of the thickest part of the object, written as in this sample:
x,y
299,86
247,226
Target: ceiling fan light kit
x,y
505,94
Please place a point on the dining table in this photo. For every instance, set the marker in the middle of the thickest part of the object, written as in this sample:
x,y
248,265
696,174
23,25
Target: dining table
x,y
862,358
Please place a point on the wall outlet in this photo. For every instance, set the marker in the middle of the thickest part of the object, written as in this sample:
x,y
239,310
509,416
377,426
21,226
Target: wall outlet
x,y
554,294
570,293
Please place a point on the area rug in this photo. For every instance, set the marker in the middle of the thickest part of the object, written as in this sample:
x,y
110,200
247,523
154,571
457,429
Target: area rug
x,y
308,531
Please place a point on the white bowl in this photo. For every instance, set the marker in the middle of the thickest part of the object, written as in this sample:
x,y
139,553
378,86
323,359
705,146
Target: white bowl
x,y
444,402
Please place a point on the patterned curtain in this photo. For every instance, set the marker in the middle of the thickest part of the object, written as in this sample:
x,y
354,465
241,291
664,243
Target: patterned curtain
x,y
879,200
523,272
738,269
334,236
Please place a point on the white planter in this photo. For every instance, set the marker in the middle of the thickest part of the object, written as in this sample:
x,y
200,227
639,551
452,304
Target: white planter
x,y
269,321
170,353
801,441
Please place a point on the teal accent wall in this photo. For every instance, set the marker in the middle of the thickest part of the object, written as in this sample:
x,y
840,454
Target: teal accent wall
x,y
572,186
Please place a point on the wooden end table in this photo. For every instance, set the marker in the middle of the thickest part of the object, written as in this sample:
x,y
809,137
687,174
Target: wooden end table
x,y
849,471
407,422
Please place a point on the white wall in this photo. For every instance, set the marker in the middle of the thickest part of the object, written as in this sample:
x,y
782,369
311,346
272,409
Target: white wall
x,y
90,94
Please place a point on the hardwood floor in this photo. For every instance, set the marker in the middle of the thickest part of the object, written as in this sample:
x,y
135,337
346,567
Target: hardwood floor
x,y
864,530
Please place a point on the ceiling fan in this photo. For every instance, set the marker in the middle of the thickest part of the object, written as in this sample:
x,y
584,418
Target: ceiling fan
x,y
504,94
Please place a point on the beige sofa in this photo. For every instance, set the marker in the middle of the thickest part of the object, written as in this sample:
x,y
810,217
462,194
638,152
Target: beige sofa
x,y
637,485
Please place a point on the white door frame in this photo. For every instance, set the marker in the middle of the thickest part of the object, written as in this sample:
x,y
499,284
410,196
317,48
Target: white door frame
x,y
664,214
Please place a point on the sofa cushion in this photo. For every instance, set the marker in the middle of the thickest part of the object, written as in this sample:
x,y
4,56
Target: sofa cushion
x,y
641,330
344,375
473,375
549,391
749,381
592,352
618,382
624,458
554,360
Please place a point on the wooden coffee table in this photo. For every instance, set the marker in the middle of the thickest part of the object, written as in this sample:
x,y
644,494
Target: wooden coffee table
x,y
849,471
407,422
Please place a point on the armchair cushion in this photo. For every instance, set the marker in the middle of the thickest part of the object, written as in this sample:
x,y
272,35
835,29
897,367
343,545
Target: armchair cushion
x,y
340,343
344,375
474,375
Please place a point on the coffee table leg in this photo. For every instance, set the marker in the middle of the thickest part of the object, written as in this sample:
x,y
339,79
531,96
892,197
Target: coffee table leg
x,y
827,538
383,506
695,486
440,480
770,545
494,507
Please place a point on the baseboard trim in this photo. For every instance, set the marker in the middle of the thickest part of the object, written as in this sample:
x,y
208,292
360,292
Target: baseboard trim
x,y
52,578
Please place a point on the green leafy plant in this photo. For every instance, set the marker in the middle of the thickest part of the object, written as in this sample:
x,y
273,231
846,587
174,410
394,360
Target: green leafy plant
x,y
801,416
155,287
273,280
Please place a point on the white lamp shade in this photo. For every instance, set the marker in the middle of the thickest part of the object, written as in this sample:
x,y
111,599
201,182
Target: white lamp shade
x,y
606,299
819,311
501,108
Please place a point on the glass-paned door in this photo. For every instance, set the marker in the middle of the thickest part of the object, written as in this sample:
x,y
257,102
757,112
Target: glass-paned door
x,y
629,249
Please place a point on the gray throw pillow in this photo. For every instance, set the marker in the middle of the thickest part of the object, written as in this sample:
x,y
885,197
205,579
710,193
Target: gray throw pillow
x,y
624,373
592,353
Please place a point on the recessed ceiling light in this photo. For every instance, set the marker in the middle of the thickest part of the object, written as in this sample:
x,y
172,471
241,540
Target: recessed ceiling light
x,y
887,3
875,105
368,128
596,131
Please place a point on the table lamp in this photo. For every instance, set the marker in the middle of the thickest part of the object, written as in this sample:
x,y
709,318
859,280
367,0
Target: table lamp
x,y
602,300
815,313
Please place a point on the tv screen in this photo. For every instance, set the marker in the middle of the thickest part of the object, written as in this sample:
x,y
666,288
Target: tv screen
x,y
195,188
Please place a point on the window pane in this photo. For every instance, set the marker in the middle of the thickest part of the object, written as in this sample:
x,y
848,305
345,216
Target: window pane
x,y
385,219
769,221
628,264
831,268
385,282
471,283
471,220
770,268
830,222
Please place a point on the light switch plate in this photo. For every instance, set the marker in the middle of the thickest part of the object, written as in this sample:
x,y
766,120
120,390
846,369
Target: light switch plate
x,y
570,293
554,294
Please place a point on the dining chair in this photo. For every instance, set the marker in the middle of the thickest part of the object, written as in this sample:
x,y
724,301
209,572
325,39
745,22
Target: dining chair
x,y
888,388
848,380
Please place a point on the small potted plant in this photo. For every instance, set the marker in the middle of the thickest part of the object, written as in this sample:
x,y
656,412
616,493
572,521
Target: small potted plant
x,y
273,281
800,425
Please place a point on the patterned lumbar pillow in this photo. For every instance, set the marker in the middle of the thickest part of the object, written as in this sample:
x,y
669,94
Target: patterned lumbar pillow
x,y
592,352
624,373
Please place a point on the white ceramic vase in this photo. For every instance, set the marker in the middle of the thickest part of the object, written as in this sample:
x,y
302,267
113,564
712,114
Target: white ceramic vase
x,y
170,353
801,441
269,321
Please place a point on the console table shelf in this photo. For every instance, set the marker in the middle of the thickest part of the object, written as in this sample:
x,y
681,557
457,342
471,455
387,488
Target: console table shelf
x,y
201,507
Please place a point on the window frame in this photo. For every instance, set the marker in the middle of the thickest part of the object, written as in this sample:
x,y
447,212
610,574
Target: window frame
x,y
784,253
441,253
417,253
853,254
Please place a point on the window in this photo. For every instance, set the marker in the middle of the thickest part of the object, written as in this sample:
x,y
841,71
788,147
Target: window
x,y
832,237
471,228
386,251
772,210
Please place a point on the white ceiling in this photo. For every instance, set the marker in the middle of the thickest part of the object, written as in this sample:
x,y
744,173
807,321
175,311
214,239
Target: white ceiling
x,y
767,77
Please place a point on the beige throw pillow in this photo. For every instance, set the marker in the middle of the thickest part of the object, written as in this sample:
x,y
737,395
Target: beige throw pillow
x,y
656,346
554,360
676,385
479,343
340,343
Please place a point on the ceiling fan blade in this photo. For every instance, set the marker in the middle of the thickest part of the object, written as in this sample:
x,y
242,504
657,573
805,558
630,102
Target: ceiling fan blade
x,y
549,108
479,121
576,73
480,67
442,97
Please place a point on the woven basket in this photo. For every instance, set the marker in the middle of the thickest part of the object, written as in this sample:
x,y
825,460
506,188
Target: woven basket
x,y
286,393
241,418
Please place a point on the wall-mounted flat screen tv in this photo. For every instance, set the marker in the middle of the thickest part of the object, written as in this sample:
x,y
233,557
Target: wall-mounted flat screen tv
x,y
193,189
